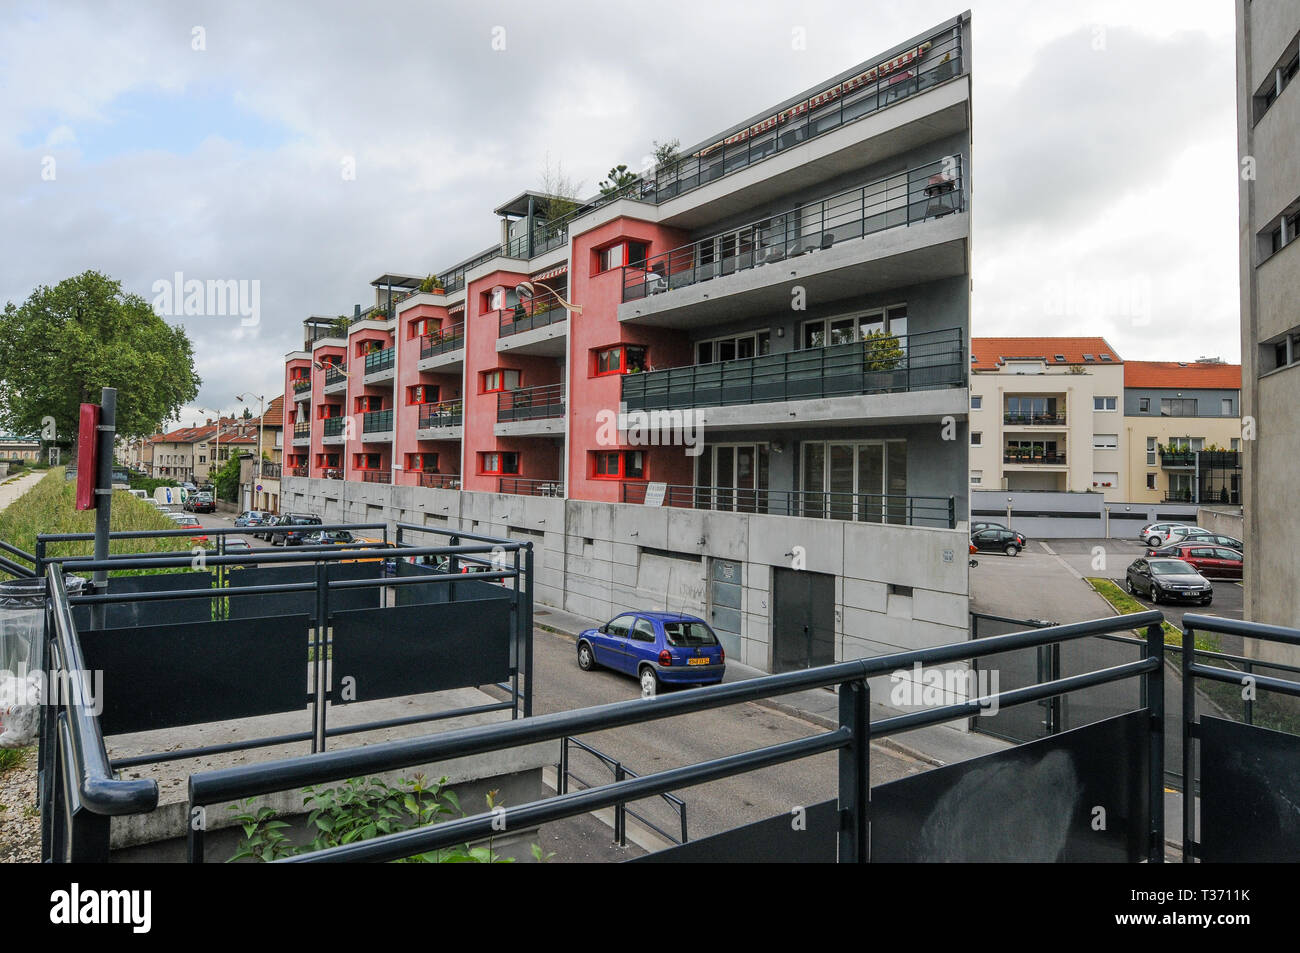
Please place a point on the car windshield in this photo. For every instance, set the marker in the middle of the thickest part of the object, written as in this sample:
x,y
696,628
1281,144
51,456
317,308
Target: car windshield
x,y
689,633
1173,568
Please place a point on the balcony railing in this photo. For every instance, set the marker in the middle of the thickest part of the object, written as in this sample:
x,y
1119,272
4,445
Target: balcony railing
x,y
376,476
1034,420
377,421
514,320
929,191
546,235
845,103
441,481
332,474
333,426
531,403
1037,457
300,471
335,374
442,341
448,413
302,428
940,511
930,359
1178,458
381,360
523,487
269,471
301,385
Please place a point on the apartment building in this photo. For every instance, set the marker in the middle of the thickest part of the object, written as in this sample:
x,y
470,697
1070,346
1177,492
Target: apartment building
x,y
1182,431
1047,414
13,447
1268,126
736,387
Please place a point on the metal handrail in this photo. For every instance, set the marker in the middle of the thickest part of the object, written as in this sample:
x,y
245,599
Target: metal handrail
x,y
1033,420
520,318
333,426
380,360
620,772
442,340
896,509
335,373
923,360
377,421
1053,459
521,486
929,191
531,403
446,413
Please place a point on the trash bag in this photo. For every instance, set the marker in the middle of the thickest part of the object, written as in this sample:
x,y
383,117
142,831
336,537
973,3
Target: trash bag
x,y
22,619
20,709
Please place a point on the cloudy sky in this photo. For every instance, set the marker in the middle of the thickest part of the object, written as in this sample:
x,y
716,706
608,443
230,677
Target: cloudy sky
x,y
209,138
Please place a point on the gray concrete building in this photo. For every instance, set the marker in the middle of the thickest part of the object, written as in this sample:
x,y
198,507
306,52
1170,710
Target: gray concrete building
x,y
1268,135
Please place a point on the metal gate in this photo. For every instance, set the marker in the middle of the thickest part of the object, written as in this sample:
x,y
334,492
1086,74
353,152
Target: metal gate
x,y
726,577
803,619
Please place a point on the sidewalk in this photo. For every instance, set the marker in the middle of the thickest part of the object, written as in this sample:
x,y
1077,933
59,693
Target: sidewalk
x,y
937,745
12,489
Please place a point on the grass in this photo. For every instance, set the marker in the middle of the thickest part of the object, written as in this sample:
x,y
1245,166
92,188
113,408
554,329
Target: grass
x,y
1125,604
11,758
50,507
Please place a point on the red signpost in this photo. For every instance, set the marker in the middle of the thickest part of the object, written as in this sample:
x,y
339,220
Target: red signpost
x,y
87,456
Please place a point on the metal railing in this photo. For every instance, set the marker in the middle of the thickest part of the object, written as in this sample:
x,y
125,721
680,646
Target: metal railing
x,y
380,360
1178,458
16,568
302,428
1039,457
929,191
520,486
333,426
622,812
375,476
270,471
442,341
546,236
851,738
332,473
531,403
937,511
302,385
300,471
920,361
840,105
514,320
447,413
441,481
1034,420
377,421
335,374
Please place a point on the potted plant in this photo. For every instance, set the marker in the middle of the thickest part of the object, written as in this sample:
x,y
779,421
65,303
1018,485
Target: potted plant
x,y
432,284
882,359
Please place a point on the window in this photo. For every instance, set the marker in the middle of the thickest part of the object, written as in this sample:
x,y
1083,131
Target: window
x,y
499,380
976,401
1105,441
418,327
622,359
1103,403
1144,405
494,462
854,480
422,462
1225,407
1151,452
365,461
976,477
422,394
1236,444
1105,480
622,253
1151,481
976,438
643,631
618,465
824,332
1177,407
733,347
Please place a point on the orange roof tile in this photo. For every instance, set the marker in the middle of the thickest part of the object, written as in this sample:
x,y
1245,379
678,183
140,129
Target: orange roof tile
x,y
1181,375
991,353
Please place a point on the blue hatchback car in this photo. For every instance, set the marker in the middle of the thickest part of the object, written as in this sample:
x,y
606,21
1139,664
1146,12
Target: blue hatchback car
x,y
657,647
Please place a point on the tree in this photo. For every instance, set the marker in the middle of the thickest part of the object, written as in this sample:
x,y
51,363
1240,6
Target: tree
x,y
561,193
226,481
666,152
617,178
883,351
66,342
248,413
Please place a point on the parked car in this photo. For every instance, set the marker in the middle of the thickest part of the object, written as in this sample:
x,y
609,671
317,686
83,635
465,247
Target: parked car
x,y
333,537
980,527
265,525
236,545
1164,579
1186,534
998,540
186,521
1210,561
201,503
657,647
294,537
250,518
1153,534
1218,539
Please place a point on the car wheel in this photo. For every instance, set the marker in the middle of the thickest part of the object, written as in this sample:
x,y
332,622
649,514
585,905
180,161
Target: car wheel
x,y
1155,595
1128,584
586,661
649,682
1012,549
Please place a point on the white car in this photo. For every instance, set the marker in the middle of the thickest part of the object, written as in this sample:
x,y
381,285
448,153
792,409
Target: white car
x,y
1153,534
1185,534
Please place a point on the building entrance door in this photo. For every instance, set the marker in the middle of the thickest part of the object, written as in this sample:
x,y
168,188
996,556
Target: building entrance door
x,y
803,619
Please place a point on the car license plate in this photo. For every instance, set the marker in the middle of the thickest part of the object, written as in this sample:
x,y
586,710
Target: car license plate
x,y
697,661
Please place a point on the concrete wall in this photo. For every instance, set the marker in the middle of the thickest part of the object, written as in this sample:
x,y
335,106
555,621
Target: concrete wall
x,y
599,559
1072,515
1229,522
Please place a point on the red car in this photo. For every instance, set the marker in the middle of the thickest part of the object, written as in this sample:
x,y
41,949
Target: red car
x,y
1217,562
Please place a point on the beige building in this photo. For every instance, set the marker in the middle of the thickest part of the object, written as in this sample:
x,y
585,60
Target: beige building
x,y
1268,127
1047,414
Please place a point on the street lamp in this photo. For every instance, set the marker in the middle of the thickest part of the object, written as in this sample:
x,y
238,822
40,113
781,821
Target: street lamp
x,y
528,289
261,422
216,453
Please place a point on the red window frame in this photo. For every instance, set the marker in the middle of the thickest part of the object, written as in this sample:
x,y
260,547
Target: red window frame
x,y
299,373
416,462
417,394
417,328
500,455
330,411
357,459
624,463
364,403
624,245
485,376
623,359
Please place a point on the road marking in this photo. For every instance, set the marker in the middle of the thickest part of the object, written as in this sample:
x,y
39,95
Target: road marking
x,y
1046,548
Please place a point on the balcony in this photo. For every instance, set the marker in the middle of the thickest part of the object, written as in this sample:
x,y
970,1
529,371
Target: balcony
x,y
302,434
927,192
300,471
1034,420
302,389
927,360
515,320
376,476
1034,458
442,348
531,403
332,429
937,511
439,481
522,487
541,331
379,364
332,474
441,421
546,236
336,378
268,471
377,426
826,112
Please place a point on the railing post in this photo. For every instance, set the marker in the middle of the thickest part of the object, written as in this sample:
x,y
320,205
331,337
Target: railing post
x,y
952,512
1154,683
1189,732
854,774
528,631
562,781
620,809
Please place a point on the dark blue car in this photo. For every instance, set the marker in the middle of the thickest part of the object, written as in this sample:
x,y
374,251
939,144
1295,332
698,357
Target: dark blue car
x,y
657,647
